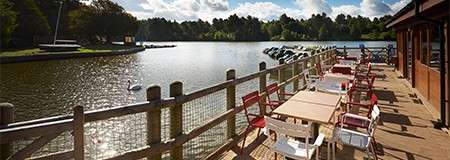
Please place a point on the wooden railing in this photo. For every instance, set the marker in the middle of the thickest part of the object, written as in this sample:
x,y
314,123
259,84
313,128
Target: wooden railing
x,y
46,129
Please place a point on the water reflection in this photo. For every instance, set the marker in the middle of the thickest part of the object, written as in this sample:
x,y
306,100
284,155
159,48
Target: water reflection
x,y
41,89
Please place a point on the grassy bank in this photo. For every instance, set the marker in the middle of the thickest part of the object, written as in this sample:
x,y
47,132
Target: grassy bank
x,y
86,49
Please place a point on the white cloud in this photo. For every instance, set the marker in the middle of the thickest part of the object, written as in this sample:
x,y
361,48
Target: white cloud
x,y
369,8
345,9
374,8
217,5
310,7
264,10
399,5
182,10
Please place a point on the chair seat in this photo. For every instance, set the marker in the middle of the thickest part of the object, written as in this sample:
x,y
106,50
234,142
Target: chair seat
x,y
292,148
273,104
356,122
258,122
353,138
362,85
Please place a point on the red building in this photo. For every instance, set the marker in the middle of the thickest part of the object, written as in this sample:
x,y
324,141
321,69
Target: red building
x,y
422,29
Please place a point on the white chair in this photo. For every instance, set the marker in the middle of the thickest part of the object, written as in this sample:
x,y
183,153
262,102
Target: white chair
x,y
311,80
360,140
325,67
285,143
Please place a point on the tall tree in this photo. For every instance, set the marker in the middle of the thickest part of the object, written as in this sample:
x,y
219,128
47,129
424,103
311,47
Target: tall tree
x,y
31,22
8,22
102,19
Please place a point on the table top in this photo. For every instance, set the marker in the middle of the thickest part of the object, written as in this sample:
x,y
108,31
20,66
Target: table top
x,y
348,62
334,88
351,66
341,76
306,111
317,98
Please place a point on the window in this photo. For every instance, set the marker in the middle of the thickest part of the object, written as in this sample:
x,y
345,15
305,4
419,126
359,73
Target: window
x,y
435,47
424,45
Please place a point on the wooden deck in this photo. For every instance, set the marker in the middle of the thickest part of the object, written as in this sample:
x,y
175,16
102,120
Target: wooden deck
x,y
405,131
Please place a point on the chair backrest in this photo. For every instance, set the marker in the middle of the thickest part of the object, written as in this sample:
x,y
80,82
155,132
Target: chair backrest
x,y
249,100
288,129
306,75
369,68
375,116
350,94
372,80
284,129
373,103
319,69
272,88
373,100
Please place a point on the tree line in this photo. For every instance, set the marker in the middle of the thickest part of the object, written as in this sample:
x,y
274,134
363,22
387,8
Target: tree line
x,y
103,21
22,21
235,28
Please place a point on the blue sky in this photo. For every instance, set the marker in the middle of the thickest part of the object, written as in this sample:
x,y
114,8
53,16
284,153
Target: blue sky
x,y
186,10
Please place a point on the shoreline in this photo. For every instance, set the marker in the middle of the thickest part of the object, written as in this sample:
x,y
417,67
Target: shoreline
x,y
67,55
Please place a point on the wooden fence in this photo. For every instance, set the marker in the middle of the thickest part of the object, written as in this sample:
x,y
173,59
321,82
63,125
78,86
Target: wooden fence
x,y
46,129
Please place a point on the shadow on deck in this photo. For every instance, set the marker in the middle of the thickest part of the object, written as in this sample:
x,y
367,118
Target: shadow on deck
x,y
405,131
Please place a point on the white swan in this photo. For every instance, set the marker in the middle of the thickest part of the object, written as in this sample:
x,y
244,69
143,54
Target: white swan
x,y
134,87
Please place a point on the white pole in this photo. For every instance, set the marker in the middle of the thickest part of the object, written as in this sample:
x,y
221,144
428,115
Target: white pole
x,y
57,22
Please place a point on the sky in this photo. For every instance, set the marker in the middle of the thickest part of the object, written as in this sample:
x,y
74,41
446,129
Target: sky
x,y
192,10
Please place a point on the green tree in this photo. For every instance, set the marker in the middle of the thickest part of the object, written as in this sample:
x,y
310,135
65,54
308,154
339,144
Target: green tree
x,y
235,28
31,22
104,19
323,33
8,21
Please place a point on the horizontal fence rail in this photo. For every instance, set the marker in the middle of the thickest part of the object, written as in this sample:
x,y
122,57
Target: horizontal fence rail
x,y
177,112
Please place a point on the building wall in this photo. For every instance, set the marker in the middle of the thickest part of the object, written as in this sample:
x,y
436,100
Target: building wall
x,y
427,77
401,52
422,78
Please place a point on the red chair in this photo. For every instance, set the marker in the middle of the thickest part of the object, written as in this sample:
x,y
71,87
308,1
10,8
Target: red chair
x,y
365,87
271,89
368,59
363,74
351,58
319,70
356,120
258,120
342,70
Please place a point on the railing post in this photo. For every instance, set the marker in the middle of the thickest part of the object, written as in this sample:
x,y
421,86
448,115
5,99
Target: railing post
x,y
281,78
176,119
305,68
78,132
6,117
231,103
154,120
316,60
262,87
295,72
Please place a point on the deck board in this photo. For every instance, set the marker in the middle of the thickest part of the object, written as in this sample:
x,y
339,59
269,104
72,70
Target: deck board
x,y
405,130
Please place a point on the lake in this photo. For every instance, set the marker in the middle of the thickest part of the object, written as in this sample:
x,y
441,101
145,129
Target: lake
x,y
47,88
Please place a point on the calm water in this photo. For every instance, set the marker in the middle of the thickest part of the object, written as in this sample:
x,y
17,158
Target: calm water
x,y
41,89
46,88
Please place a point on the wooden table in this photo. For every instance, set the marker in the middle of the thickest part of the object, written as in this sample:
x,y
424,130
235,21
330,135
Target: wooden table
x,y
348,62
299,107
344,69
306,104
342,77
317,98
331,83
351,66
313,112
